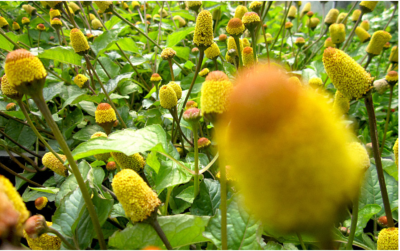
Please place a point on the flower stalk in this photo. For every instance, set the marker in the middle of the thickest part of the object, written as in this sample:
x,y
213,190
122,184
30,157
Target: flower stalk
x,y
387,119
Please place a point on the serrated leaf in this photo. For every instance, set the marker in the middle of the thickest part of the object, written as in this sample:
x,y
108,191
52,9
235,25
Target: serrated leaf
x,y
207,202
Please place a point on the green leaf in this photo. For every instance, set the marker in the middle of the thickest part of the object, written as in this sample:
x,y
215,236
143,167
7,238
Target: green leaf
x,y
176,37
117,211
20,133
181,230
101,43
62,54
209,198
111,67
364,215
171,174
51,190
126,44
230,70
113,83
85,133
244,232
5,44
187,194
52,90
20,182
182,52
390,167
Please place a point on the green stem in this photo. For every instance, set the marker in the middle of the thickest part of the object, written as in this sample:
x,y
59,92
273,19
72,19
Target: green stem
x,y
253,41
394,11
105,91
379,64
171,69
301,241
316,41
19,176
374,139
29,36
41,104
24,123
169,190
282,25
239,51
160,232
370,56
53,231
295,59
387,119
38,42
196,160
352,32
266,44
353,227
19,145
9,39
216,63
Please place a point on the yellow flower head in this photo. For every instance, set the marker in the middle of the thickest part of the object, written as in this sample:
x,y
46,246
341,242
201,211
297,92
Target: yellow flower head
x,y
394,55
203,32
396,152
7,188
53,4
11,106
111,166
361,154
168,53
250,18
56,23
312,22
194,5
292,12
248,57
23,67
288,158
232,45
306,8
41,202
338,33
368,6
300,41
365,25
91,16
203,73
356,15
101,156
346,74
50,161
104,6
392,77
269,38
135,4
191,104
79,41
215,93
331,17
54,13
255,6
168,97
378,40
16,26
164,13
44,242
105,114
240,11
75,8
29,9
25,21
288,25
388,239
155,77
363,35
135,161
341,17
80,80
136,197
148,16
235,27
181,21
328,43
212,51
315,83
244,43
41,27
96,24
177,89
9,90
295,81
203,143
3,22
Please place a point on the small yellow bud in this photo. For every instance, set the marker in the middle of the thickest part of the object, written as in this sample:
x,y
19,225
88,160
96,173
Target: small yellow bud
x,y
396,152
362,34
41,27
378,40
328,43
356,15
41,203
3,22
315,83
105,114
255,6
56,23
54,13
111,166
155,77
29,9
44,242
235,27
80,80
368,6
168,97
101,156
177,89
292,12
104,6
338,33
203,73
50,161
75,8
248,57
96,24
79,41
361,154
212,51
392,77
365,25
16,26
194,5
168,53
240,11
180,20
25,21
295,81
250,20
341,104
394,55
331,17
9,90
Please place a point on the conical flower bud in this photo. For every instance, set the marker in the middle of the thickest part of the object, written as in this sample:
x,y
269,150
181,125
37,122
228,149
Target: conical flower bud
x,y
81,80
394,55
203,32
3,23
29,9
388,239
235,27
75,8
285,174
361,154
168,97
365,25
192,115
378,40
105,116
328,43
306,8
54,13
299,42
341,18
25,21
295,81
292,12
215,93
392,77
255,6
50,161
240,11
155,77
203,73
35,226
41,27
356,15
338,33
315,83
54,4
212,52
168,53
248,57
346,74
56,23
341,104
79,41
111,166
16,26
180,20
44,242
363,35
135,196
41,202
177,89
104,6
396,152
250,20
194,5
331,17
96,24
312,23
368,6
288,25
101,156
203,143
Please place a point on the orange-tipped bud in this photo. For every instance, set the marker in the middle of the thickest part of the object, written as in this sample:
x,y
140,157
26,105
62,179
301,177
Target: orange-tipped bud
x,y
203,143
41,202
191,104
111,166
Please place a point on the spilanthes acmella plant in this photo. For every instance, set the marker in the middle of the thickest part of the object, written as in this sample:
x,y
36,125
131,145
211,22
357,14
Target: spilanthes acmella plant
x,y
223,125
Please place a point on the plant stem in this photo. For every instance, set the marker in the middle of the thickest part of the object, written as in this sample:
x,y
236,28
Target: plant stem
x,y
394,11
160,232
316,41
266,43
295,59
19,145
175,117
41,104
9,39
19,163
38,42
196,160
387,119
23,122
102,66
171,69
169,190
216,63
374,139
379,64
352,32
301,241
19,176
29,36
282,25
370,56
353,227
53,231
105,91
224,209
239,51
253,41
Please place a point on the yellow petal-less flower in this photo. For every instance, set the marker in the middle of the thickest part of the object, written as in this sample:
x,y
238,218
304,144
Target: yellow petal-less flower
x,y
53,4
96,24
3,22
212,51
177,89
315,82
22,67
328,43
232,45
181,21
346,74
44,242
338,33
75,8
292,12
248,57
215,93
194,5
240,11
203,73
396,152
388,239
365,25
244,43
135,161
135,196
80,80
392,77
394,55
250,18
54,13
203,32
155,77
368,6
362,34
288,158
361,155
29,9
295,81
16,26
356,15
79,41
378,40
312,22
9,90
331,17
306,8
101,156
341,104
56,23
50,161
135,4
104,6
7,188
105,114
25,21
41,27
41,202
168,97
255,6
235,27
168,53
341,17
